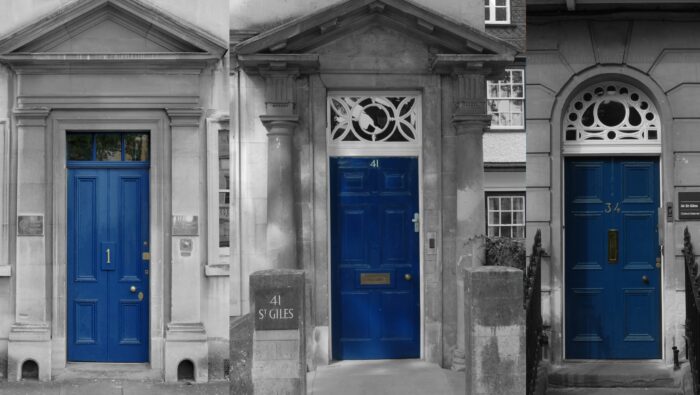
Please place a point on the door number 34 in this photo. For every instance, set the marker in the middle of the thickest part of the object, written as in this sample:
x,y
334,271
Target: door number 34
x,y
610,208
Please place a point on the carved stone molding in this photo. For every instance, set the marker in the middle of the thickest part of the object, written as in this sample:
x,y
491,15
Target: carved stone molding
x,y
183,117
31,116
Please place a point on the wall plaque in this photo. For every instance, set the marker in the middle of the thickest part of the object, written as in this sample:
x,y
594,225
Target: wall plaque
x,y
375,278
186,246
276,309
30,225
689,205
185,225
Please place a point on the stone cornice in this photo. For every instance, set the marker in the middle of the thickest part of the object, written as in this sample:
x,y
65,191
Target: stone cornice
x,y
492,66
465,124
279,63
35,116
184,117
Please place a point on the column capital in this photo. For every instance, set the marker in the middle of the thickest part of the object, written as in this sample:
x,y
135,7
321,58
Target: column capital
x,y
184,116
34,116
280,124
465,124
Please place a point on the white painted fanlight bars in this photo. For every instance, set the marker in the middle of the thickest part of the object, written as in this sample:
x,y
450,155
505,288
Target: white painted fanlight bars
x,y
611,117
391,120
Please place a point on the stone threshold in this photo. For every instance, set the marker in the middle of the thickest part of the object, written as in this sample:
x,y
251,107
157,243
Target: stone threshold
x,y
107,371
616,374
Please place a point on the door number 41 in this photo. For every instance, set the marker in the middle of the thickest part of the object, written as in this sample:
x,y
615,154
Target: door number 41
x,y
374,163
609,208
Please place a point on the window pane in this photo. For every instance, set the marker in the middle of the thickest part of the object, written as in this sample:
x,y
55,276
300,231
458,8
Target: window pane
x,y
493,203
505,203
224,160
493,218
79,146
519,232
518,218
501,14
500,2
109,147
224,238
488,14
518,76
505,90
493,231
136,148
518,202
505,231
517,91
506,218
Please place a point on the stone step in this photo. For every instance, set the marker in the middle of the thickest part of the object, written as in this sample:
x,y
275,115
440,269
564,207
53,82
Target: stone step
x,y
613,391
615,374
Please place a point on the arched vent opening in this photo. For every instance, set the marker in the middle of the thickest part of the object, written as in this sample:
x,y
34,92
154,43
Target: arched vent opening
x,y
30,370
611,113
185,370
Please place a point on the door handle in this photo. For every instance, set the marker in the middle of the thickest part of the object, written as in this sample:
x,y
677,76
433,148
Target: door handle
x,y
133,289
612,245
407,277
645,279
109,256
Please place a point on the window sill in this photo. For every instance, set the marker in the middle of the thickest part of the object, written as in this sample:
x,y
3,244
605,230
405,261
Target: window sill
x,y
5,271
216,270
499,24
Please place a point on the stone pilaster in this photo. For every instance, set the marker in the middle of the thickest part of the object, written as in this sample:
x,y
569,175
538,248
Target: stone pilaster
x,y
30,335
281,121
185,337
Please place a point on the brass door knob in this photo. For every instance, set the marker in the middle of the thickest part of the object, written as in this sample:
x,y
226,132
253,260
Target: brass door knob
x,y
407,277
645,279
133,289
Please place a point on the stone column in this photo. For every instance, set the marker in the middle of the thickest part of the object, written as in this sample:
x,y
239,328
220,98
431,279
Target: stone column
x,y
280,121
470,122
30,335
185,337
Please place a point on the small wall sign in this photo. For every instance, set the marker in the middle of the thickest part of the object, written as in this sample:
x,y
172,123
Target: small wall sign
x,y
30,225
276,309
185,225
689,206
186,246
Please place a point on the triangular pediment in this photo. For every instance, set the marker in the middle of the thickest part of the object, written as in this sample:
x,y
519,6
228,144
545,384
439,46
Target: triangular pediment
x,y
110,27
307,34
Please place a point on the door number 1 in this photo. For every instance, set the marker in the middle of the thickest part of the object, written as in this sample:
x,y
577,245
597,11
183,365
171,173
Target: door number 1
x,y
374,163
610,208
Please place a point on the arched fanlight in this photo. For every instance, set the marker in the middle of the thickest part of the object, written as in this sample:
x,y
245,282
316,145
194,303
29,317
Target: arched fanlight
x,y
611,113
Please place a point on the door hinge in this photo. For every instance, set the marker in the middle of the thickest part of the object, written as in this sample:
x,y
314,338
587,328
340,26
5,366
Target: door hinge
x,y
146,256
416,222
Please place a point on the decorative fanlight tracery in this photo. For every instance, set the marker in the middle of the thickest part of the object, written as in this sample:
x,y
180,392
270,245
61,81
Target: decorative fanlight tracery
x,y
387,119
611,113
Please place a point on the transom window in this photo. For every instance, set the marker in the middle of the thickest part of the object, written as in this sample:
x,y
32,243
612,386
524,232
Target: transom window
x,y
505,215
506,100
108,146
612,114
497,11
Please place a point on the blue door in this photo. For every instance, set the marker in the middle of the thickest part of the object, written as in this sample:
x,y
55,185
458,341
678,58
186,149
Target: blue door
x,y
107,270
374,258
612,247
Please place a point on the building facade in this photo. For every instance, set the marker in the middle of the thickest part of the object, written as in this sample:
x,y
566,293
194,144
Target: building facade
x,y
108,111
358,127
612,149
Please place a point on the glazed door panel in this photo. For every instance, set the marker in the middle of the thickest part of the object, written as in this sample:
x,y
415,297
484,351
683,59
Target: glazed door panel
x,y
375,258
612,279
107,235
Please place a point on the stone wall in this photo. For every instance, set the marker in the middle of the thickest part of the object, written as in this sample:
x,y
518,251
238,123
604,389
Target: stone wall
x,y
657,53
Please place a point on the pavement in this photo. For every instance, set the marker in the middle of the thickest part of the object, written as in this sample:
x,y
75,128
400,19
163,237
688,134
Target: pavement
x,y
382,377
385,377
111,387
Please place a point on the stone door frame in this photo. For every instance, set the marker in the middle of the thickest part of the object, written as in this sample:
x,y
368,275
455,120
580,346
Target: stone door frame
x,y
559,156
377,149
59,123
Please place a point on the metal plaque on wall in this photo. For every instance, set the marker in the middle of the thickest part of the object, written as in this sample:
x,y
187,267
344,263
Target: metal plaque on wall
x,y
30,225
689,206
185,225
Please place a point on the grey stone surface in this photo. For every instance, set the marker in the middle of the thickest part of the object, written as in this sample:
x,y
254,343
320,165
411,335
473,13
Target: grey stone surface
x,y
241,355
494,331
278,356
111,387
